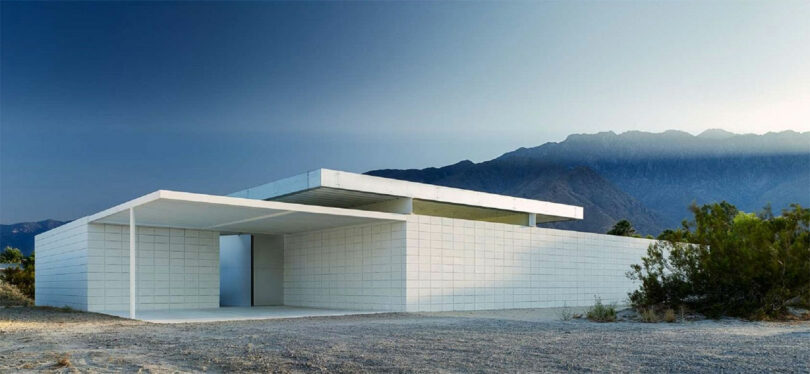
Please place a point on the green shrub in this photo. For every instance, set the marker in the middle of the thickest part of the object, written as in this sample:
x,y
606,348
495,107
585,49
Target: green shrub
x,y
22,279
730,263
11,256
600,312
622,228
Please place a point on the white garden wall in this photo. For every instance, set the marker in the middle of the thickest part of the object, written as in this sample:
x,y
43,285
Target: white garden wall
x,y
454,264
61,266
424,264
356,267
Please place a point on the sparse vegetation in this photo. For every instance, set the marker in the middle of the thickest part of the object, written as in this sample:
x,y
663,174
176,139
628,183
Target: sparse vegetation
x,y
34,339
565,313
669,316
648,315
21,278
600,312
11,296
729,263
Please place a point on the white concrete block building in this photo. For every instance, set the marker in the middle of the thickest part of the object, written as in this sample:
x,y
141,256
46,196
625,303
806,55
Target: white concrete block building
x,y
330,239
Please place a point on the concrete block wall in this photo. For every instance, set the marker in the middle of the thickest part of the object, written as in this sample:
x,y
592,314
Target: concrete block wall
x,y
176,268
454,264
61,266
357,267
425,264
268,270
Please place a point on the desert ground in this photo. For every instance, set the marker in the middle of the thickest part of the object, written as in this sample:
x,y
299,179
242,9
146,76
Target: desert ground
x,y
47,340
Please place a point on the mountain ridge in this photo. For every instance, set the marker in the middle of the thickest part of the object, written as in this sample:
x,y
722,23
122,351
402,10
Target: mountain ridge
x,y
578,185
21,235
648,178
664,172
655,145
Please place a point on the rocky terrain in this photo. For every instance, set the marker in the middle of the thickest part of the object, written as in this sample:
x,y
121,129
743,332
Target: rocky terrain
x,y
647,178
47,340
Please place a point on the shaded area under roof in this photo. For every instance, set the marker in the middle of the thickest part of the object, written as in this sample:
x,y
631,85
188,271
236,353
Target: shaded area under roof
x,y
234,215
332,188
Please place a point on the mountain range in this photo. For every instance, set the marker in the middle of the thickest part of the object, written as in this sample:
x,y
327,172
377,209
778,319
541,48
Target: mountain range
x,y
21,235
647,178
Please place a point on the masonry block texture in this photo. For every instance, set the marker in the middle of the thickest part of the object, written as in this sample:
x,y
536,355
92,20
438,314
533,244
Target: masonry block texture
x,y
424,264
454,264
86,266
61,266
358,267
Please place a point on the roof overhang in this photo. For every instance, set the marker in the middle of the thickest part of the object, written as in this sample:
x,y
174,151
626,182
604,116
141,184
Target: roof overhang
x,y
234,215
326,187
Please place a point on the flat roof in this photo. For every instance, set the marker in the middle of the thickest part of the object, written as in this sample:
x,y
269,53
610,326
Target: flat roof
x,y
339,188
233,215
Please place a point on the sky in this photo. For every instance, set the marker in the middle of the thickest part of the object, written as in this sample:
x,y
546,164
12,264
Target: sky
x,y
101,102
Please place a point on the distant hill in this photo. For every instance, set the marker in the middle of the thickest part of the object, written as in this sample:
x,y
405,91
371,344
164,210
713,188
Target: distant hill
x,y
648,178
21,235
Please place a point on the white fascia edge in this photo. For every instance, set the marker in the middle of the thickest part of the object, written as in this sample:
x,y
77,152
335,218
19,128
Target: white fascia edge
x,y
387,186
296,183
221,200
241,202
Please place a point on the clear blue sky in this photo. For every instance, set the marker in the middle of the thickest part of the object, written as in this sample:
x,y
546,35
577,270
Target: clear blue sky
x,y
103,102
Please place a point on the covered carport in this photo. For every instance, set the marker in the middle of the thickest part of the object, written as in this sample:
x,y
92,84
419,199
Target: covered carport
x,y
227,216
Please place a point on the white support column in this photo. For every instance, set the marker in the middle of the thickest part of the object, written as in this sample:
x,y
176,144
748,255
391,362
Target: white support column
x,y
132,267
532,220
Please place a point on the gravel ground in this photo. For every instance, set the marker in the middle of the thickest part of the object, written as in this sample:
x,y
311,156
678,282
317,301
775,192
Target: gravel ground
x,y
34,339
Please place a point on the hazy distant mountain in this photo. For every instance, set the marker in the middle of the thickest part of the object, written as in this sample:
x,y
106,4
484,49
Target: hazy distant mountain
x,y
648,178
21,235
668,171
631,145
604,203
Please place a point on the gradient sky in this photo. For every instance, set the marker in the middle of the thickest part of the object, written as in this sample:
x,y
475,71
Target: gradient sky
x,y
104,102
